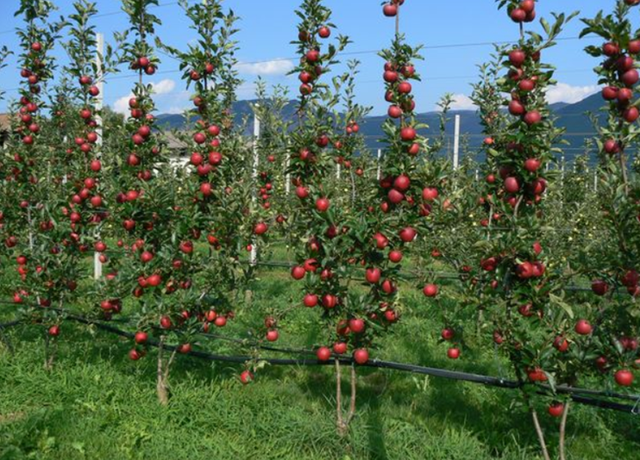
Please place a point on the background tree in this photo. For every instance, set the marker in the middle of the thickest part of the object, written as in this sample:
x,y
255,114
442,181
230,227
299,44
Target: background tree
x,y
38,245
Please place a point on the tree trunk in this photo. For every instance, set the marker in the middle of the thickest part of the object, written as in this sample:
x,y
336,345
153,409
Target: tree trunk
x,y
248,297
6,341
161,386
536,423
343,421
342,429
352,403
563,428
49,351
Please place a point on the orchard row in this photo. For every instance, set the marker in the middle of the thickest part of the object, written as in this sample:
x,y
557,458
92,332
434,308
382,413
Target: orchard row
x,y
172,242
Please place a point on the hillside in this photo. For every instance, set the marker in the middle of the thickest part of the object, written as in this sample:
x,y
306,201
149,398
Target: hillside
x,y
572,117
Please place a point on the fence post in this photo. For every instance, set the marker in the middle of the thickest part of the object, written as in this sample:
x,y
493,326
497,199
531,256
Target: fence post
x,y
379,166
254,176
97,265
456,143
287,176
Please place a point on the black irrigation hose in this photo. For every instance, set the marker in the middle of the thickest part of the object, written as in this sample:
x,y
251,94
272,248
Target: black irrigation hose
x,y
584,391
406,276
384,364
602,404
253,343
125,321
434,372
10,324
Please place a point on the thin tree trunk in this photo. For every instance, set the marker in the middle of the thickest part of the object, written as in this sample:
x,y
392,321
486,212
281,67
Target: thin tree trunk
x,y
339,421
50,347
7,342
161,386
46,350
543,444
352,404
563,428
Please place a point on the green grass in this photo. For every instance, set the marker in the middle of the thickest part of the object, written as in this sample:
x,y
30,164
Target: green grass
x,y
96,404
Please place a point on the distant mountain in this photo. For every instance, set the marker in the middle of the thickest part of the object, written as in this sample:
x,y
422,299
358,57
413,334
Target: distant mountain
x,y
572,117
579,128
558,105
171,121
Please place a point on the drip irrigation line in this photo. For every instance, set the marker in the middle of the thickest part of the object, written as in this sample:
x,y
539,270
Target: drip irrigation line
x,y
9,324
585,391
254,343
406,276
603,404
575,393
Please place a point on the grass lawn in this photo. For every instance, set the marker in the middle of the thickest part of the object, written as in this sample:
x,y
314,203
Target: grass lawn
x,y
97,404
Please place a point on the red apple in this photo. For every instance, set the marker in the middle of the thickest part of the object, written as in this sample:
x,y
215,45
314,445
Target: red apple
x,y
517,57
356,325
272,335
511,185
298,272
390,10
532,164
323,354
556,409
624,378
373,275
407,234
310,300
583,327
599,287
453,353
246,377
430,290
408,134
447,334
361,356
322,204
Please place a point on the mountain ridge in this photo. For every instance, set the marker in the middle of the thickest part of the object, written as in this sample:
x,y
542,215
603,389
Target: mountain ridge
x,y
572,117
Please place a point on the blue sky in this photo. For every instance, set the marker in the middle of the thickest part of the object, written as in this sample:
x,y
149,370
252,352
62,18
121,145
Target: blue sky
x,y
456,34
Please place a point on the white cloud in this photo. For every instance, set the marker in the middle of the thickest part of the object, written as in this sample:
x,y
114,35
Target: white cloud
x,y
274,67
122,104
163,86
462,102
160,88
175,110
563,92
246,91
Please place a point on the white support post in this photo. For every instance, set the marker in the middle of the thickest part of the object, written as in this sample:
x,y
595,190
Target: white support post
x,y
65,178
456,143
287,176
477,174
97,265
562,170
379,165
254,175
595,180
338,171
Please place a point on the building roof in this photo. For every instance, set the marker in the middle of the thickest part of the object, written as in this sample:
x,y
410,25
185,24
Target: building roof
x,y
5,123
173,142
